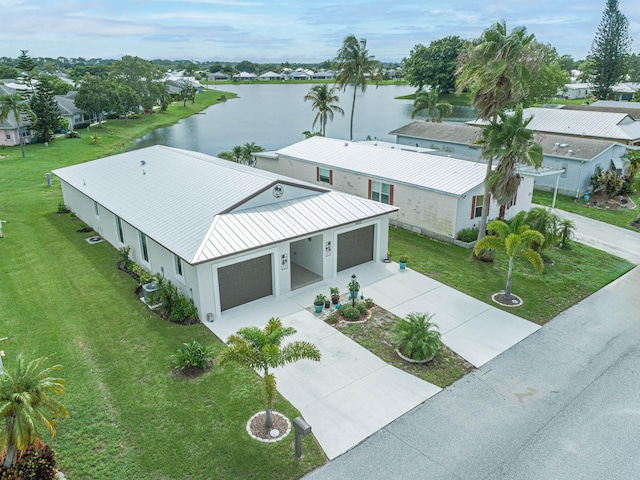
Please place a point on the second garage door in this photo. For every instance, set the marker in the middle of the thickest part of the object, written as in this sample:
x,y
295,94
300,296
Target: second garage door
x,y
355,247
245,281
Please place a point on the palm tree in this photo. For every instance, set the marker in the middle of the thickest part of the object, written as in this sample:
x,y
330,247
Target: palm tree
x,y
25,403
325,101
14,103
246,157
429,101
510,142
546,222
516,240
566,231
497,67
356,66
261,349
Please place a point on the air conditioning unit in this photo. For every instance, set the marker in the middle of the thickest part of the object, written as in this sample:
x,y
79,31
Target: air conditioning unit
x,y
149,292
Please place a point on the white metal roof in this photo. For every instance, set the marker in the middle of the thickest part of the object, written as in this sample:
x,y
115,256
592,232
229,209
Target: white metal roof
x,y
446,175
581,123
177,197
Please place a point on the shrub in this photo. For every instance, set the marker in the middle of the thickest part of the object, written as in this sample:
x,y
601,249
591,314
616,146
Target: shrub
x,y
193,355
144,277
124,257
85,228
62,208
403,259
416,337
362,308
368,302
333,318
175,305
320,299
37,461
467,235
183,310
350,312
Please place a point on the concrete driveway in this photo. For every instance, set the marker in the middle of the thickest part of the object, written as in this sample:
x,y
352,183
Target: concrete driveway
x,y
351,394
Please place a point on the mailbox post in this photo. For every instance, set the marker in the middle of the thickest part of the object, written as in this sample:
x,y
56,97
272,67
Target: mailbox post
x,y
302,430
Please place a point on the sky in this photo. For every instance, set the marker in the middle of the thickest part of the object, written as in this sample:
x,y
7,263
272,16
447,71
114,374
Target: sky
x,y
275,31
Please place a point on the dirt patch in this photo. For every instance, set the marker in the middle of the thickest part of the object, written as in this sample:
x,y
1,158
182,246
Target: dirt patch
x,y
599,201
190,372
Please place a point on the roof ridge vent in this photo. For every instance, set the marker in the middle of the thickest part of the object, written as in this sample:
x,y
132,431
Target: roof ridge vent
x,y
570,152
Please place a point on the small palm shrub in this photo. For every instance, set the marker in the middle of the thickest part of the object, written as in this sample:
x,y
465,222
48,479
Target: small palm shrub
x,y
84,228
416,336
332,318
193,354
62,208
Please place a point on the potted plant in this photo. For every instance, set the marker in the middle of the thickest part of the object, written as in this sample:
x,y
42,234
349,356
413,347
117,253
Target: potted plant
x,y
403,261
335,295
415,338
318,303
354,288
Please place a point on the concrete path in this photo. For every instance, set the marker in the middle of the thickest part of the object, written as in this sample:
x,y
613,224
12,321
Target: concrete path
x,y
560,404
351,394
621,242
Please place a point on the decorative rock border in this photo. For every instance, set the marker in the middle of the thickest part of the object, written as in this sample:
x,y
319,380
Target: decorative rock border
x,y
269,440
519,301
411,360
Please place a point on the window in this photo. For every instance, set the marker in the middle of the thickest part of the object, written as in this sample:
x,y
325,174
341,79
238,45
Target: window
x,y
476,206
144,247
7,135
177,264
96,211
381,192
119,230
324,175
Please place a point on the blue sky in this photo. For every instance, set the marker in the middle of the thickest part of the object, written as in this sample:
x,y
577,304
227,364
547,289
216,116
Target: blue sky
x,y
283,30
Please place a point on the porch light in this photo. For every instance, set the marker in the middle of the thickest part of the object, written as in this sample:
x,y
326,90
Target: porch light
x,y
353,290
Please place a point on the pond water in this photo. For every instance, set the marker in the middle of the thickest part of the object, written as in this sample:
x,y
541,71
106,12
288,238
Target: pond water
x,y
274,116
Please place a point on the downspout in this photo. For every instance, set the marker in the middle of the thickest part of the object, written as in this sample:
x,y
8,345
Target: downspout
x,y
579,179
555,191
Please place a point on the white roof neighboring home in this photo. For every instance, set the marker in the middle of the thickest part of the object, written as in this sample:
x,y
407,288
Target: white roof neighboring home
x,y
245,76
616,104
598,125
450,176
270,76
210,208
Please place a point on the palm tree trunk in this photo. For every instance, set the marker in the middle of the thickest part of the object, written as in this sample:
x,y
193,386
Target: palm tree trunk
x,y
353,107
482,226
11,451
268,421
507,289
21,142
503,209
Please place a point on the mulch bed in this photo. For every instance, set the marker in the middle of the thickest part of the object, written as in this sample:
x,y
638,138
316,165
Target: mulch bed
x,y
514,301
598,201
190,372
280,423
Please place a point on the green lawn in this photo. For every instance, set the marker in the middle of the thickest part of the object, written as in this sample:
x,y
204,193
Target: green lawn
x,y
621,218
575,274
61,297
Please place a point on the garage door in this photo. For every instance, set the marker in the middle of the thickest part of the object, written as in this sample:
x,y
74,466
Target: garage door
x,y
245,281
355,247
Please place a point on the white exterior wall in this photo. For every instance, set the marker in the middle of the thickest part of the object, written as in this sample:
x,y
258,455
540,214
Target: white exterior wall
x,y
457,150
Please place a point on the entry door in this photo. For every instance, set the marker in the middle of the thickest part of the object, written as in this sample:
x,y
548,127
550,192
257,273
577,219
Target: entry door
x,y
355,247
245,281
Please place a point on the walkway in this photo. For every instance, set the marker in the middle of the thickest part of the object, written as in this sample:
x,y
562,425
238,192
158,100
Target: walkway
x,y
351,394
560,404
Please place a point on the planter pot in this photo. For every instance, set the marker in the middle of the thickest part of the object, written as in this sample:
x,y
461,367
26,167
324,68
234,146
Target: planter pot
x,y
411,360
327,304
354,294
318,308
335,299
403,265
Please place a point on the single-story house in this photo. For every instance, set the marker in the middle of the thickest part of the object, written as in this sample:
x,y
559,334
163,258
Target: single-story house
x,y
576,157
616,127
218,76
10,131
324,75
297,76
225,234
75,117
435,196
270,76
574,91
244,76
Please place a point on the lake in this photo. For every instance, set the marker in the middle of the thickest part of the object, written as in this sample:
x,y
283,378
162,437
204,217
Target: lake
x,y
275,115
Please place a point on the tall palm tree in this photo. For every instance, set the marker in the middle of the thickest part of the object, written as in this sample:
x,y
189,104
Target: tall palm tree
x,y
355,65
248,149
26,403
325,101
510,142
262,350
14,103
429,101
497,67
516,240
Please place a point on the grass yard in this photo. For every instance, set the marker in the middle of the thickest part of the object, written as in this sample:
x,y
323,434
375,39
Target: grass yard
x,y
64,298
575,274
621,218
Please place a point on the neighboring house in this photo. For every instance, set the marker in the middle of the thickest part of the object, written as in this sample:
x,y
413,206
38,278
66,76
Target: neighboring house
x,y
176,79
616,127
75,117
574,91
324,75
625,92
436,196
270,76
218,76
10,131
576,157
297,75
223,233
244,76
